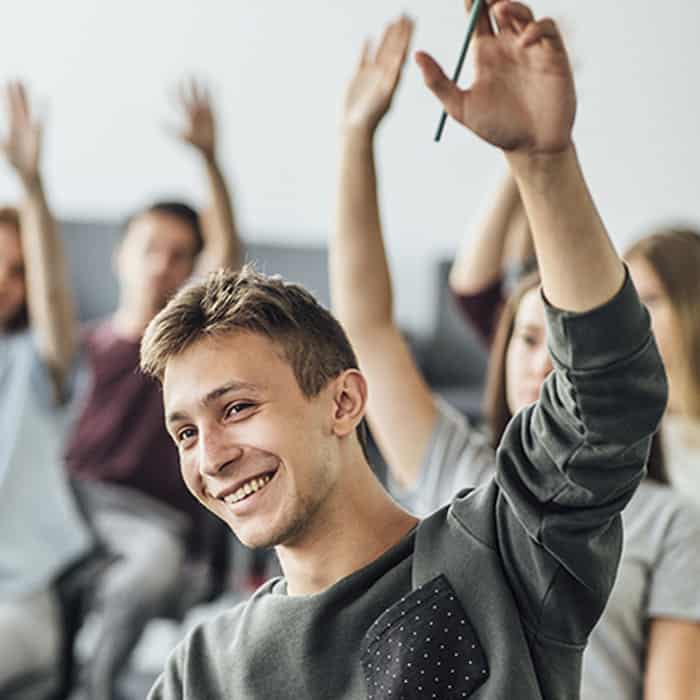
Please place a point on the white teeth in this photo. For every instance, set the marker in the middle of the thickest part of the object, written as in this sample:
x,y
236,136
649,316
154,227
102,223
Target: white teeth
x,y
247,489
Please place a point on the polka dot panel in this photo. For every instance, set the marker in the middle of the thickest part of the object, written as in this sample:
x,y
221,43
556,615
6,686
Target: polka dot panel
x,y
423,647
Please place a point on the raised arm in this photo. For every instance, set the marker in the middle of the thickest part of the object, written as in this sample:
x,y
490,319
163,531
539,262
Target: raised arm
x,y
222,245
477,276
569,463
401,408
524,71
48,292
480,261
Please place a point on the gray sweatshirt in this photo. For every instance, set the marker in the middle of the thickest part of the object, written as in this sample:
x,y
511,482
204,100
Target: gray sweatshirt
x,y
492,597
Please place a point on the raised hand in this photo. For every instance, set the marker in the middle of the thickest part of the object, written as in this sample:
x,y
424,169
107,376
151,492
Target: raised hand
x,y
22,146
200,126
371,90
523,97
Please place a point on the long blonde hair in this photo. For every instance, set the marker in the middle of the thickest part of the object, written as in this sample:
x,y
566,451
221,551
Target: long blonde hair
x,y
674,255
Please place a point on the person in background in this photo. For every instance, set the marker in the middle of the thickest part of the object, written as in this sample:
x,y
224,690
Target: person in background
x,y
42,531
648,640
665,267
119,451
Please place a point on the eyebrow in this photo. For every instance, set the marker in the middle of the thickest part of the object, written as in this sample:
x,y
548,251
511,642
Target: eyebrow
x,y
215,394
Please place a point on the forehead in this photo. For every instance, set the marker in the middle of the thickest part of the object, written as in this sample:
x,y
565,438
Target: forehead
x,y
243,358
531,309
161,229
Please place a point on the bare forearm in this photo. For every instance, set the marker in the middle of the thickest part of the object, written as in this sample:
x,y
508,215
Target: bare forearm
x,y
480,262
48,291
579,266
222,245
361,284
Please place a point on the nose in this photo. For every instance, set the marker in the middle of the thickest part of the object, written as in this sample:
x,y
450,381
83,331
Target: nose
x,y
216,453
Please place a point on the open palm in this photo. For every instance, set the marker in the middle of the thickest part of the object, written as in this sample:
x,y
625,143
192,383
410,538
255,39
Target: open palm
x,y
22,145
371,90
200,126
522,97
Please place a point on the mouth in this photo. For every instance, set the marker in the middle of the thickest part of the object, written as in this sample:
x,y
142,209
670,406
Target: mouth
x,y
249,488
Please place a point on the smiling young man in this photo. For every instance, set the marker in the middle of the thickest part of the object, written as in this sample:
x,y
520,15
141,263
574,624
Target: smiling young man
x,y
493,596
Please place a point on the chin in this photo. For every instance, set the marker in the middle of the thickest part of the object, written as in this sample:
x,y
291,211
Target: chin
x,y
255,540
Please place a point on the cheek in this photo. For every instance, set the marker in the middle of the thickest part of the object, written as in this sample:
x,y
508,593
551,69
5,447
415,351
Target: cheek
x,y
190,474
513,364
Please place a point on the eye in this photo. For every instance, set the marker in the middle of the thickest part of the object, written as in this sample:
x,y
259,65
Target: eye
x,y
185,434
237,408
528,339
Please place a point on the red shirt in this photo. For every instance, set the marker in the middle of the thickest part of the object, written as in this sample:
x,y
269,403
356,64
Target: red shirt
x,y
120,436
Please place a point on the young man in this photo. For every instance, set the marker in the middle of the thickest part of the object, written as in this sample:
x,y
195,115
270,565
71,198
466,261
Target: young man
x,y
120,451
492,597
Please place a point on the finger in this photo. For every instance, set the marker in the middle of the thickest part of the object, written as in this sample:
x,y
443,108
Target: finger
x,y
545,29
440,85
387,43
199,91
512,16
23,102
194,91
483,25
393,55
365,54
17,109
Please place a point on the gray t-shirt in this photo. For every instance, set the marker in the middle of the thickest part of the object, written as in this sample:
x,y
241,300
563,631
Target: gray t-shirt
x,y
492,597
41,531
659,571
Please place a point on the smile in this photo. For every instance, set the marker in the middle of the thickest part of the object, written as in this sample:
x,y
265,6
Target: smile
x,y
248,489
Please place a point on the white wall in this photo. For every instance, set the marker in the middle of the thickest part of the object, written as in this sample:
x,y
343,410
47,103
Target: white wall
x,y
278,70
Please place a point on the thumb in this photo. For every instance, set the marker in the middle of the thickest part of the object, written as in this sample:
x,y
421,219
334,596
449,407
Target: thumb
x,y
440,85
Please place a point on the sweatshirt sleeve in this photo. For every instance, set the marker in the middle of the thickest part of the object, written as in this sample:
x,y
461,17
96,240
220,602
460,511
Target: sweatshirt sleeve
x,y
568,465
169,684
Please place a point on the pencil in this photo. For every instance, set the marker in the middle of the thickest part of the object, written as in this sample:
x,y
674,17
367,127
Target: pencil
x,y
471,25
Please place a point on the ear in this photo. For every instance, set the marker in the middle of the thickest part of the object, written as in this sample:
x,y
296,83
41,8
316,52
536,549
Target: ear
x,y
349,402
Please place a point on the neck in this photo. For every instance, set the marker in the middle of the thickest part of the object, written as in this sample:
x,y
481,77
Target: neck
x,y
358,524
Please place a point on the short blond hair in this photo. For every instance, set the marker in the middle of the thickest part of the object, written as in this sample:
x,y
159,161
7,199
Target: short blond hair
x,y
311,339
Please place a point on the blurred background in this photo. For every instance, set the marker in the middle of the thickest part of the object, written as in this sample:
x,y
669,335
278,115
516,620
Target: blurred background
x,y
103,71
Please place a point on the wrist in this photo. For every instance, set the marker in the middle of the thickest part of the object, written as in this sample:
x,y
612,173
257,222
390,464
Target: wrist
x,y
208,155
31,182
358,135
541,168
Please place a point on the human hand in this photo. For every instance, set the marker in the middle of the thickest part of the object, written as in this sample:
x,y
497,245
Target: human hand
x,y
372,87
523,97
200,126
22,146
